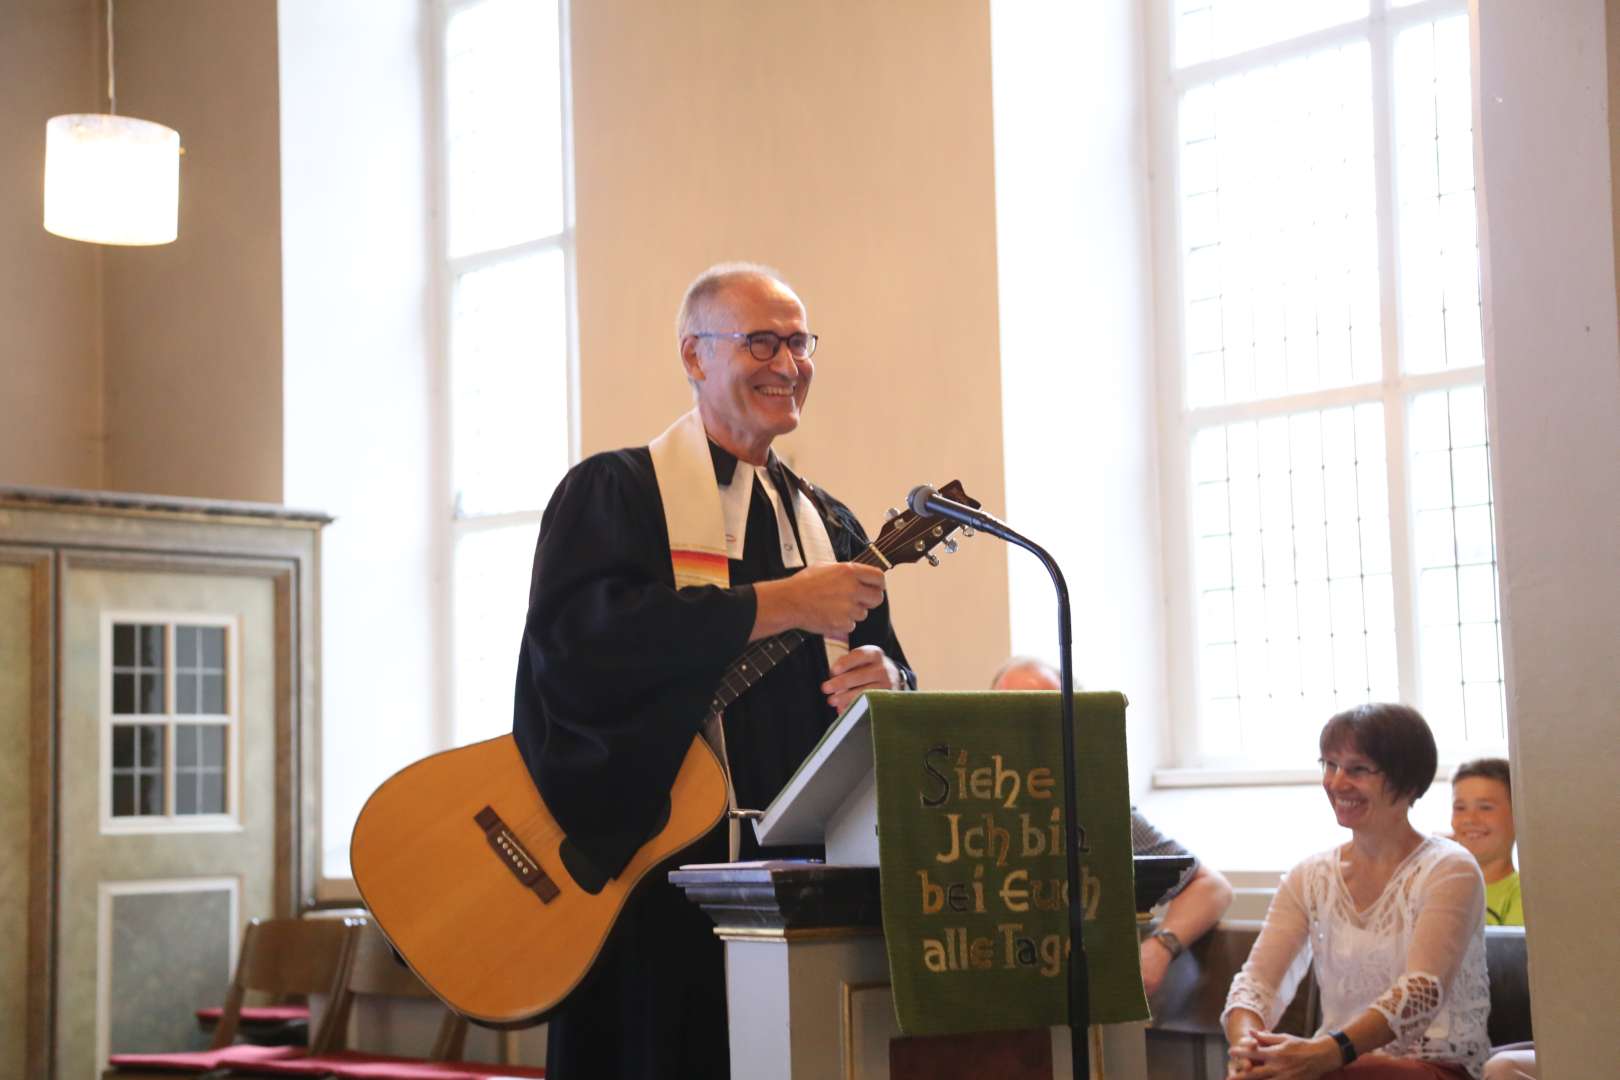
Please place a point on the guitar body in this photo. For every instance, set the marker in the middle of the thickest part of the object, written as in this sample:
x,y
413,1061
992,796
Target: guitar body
x,y
446,855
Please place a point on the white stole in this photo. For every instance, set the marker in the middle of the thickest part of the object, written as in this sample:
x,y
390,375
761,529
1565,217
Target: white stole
x,y
697,538
697,524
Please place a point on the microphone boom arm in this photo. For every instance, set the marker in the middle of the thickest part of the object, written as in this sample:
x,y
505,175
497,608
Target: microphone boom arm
x,y
926,502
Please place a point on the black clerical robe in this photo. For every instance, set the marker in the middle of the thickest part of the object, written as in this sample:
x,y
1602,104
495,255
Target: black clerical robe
x,y
615,675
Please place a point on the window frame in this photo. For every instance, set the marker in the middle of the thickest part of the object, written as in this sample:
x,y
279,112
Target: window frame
x,y
170,823
1179,423
453,524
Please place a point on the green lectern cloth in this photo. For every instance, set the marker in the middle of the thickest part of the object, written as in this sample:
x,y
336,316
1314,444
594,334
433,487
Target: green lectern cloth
x,y
970,809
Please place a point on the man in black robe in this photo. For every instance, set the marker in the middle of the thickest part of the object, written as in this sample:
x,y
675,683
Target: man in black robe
x,y
618,668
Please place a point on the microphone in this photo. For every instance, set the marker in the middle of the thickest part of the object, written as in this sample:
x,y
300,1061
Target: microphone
x,y
926,501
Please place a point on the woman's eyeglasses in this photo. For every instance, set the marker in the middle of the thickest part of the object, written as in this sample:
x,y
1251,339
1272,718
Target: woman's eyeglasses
x,y
1354,772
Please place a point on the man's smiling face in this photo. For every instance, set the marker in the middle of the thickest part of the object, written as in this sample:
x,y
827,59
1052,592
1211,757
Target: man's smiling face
x,y
745,403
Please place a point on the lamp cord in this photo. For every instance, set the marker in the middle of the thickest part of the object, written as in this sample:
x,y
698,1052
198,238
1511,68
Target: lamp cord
x,y
112,85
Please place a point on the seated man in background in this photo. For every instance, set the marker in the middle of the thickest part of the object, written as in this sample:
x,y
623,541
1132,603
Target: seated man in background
x,y
1194,905
1482,822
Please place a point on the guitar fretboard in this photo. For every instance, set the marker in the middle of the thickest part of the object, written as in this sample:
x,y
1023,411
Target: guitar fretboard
x,y
918,534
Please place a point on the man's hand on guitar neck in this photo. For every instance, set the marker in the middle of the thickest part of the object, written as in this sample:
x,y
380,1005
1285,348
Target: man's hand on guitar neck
x,y
827,599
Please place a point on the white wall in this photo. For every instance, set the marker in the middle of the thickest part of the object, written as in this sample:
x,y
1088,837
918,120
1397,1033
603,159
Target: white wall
x,y
50,358
1552,347
360,383
849,143
1077,375
150,369
192,329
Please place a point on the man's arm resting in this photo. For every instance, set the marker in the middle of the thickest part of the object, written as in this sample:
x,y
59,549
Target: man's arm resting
x,y
1197,907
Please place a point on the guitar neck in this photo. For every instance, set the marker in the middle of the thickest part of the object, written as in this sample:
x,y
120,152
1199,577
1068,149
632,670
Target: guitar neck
x,y
766,653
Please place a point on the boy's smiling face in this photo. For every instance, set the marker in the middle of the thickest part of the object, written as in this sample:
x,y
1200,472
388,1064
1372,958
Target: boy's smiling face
x,y
1482,818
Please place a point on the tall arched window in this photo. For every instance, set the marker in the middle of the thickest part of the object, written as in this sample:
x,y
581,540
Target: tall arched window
x,y
507,238
1329,514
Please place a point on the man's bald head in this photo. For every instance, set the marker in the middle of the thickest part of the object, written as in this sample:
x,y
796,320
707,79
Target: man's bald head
x,y
708,290
1026,673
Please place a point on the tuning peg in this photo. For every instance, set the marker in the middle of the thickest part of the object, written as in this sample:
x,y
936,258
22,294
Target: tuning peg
x,y
967,530
891,514
950,545
933,560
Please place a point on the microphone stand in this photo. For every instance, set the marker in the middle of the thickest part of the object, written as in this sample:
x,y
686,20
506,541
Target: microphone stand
x,y
926,501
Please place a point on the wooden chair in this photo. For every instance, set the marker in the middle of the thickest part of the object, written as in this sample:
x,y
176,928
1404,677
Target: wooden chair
x,y
277,1023
377,973
279,957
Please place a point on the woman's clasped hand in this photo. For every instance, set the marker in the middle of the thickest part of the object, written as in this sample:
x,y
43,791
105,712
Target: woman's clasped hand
x,y
1270,1055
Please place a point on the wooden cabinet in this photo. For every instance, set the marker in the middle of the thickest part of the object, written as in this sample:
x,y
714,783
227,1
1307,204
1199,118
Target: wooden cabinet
x,y
159,756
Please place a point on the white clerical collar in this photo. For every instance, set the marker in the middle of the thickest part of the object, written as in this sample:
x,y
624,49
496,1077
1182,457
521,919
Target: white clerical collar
x,y
734,500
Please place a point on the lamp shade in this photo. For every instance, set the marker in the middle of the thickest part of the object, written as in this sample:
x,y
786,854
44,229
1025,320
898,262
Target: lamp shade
x,y
111,179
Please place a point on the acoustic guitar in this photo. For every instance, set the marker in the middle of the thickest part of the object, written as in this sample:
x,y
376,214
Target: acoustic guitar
x,y
470,877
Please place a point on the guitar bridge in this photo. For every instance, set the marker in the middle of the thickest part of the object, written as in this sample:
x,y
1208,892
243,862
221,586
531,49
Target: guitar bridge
x,y
515,857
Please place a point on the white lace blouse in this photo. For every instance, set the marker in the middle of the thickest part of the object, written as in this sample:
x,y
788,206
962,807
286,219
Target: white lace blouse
x,y
1416,954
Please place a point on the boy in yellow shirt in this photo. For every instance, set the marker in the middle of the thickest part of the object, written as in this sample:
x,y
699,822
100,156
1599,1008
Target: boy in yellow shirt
x,y
1482,822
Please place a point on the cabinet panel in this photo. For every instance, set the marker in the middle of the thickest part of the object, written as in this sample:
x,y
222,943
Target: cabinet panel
x,y
120,928
109,862
19,583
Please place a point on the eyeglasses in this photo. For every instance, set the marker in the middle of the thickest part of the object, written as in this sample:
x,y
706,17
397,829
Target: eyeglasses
x,y
1354,772
764,344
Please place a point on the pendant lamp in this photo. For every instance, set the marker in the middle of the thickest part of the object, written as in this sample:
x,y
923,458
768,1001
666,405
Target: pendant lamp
x,y
111,179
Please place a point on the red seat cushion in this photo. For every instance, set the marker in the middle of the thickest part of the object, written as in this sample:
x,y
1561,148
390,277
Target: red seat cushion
x,y
351,1065
259,1014
207,1060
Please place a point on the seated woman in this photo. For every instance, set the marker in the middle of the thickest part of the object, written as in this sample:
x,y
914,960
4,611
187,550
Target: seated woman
x,y
1392,922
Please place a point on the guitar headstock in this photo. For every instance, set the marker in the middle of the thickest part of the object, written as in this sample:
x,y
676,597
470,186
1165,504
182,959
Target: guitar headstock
x,y
906,537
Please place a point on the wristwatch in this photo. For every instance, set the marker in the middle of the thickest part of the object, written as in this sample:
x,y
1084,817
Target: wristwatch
x,y
1347,1049
1168,939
